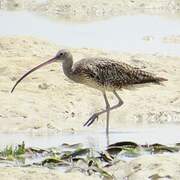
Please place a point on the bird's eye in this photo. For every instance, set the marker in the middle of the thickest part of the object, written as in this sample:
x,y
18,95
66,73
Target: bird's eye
x,y
61,54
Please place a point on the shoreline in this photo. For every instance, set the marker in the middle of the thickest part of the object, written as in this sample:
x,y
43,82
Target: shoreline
x,y
49,89
92,10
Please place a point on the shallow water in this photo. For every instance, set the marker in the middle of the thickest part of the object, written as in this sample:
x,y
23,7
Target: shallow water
x,y
124,33
166,134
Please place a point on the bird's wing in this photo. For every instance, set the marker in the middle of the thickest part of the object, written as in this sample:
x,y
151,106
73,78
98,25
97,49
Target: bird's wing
x,y
109,72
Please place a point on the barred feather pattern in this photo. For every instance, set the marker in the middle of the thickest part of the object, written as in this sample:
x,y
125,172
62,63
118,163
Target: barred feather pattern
x,y
104,73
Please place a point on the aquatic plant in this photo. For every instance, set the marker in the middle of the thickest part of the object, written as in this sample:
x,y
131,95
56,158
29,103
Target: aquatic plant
x,y
76,157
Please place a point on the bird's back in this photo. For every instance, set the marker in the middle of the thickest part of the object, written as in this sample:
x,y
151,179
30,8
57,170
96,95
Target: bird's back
x,y
104,73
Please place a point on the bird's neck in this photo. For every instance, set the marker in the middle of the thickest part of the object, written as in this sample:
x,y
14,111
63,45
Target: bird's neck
x,y
67,67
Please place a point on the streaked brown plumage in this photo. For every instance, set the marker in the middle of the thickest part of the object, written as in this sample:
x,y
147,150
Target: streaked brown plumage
x,y
101,73
107,74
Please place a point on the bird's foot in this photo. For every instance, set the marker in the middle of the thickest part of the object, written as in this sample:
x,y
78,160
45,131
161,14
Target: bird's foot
x,y
91,119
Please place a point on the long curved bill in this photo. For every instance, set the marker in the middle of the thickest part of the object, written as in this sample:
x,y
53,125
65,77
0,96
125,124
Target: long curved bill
x,y
32,70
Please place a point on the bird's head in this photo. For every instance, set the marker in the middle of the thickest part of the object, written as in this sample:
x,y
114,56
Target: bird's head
x,y
61,56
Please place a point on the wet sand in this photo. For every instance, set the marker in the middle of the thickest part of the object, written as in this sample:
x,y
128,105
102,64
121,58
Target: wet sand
x,y
48,101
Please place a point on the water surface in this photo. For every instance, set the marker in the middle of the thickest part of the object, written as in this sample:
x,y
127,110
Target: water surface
x,y
166,134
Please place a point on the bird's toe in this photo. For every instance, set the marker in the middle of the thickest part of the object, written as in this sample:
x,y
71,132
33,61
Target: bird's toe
x,y
91,119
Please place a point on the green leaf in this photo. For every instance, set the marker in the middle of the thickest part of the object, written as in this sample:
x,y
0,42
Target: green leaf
x,y
54,160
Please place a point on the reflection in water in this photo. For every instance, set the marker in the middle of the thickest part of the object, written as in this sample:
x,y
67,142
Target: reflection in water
x,y
124,33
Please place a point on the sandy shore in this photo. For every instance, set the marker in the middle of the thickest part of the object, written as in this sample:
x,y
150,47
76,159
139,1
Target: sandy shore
x,y
149,167
40,173
48,100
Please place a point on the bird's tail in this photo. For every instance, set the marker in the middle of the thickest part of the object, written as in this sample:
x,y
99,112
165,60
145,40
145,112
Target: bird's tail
x,y
159,80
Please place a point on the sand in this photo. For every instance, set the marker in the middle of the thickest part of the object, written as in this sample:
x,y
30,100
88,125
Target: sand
x,y
48,100
149,167
40,173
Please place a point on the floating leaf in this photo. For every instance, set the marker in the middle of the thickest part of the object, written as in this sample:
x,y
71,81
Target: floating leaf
x,y
177,144
80,152
77,152
103,173
157,176
75,146
114,150
130,152
36,150
159,148
66,154
92,162
78,159
94,167
54,160
106,156
124,144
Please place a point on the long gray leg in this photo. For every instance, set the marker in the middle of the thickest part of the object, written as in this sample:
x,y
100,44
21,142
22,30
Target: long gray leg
x,y
120,101
107,118
95,115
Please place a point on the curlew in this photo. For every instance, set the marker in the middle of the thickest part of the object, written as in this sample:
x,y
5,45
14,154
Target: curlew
x,y
100,73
